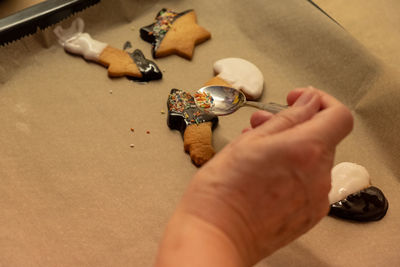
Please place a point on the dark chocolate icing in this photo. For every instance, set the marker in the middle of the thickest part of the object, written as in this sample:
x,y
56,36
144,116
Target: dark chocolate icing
x,y
368,204
182,111
148,68
127,45
154,34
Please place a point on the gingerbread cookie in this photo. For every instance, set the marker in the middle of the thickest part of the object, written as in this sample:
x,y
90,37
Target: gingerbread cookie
x,y
174,33
194,124
118,62
194,121
239,74
353,197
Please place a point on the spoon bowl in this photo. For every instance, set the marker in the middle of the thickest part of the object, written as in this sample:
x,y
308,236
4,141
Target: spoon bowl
x,y
223,100
220,100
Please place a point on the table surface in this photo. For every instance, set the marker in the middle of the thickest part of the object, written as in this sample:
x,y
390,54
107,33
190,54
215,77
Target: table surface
x,y
74,193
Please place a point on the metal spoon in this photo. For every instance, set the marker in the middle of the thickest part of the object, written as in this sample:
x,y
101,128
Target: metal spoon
x,y
222,100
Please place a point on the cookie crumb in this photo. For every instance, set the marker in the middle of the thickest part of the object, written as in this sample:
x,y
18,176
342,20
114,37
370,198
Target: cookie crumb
x,y
132,145
162,111
110,91
132,130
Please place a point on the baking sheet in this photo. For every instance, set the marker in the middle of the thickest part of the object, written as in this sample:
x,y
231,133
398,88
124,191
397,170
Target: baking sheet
x,y
38,16
74,193
8,7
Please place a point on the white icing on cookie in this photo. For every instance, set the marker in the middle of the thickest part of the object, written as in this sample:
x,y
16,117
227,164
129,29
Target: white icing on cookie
x,y
75,41
347,178
242,75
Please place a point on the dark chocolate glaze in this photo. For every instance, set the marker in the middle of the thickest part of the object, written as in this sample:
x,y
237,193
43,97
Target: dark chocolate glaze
x,y
146,32
368,204
127,45
148,68
190,115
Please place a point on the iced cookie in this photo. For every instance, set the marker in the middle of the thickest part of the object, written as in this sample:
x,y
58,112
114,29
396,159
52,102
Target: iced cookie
x,y
174,33
239,74
194,124
352,197
118,62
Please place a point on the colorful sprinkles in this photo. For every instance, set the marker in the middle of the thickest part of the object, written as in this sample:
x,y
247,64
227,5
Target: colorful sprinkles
x,y
162,25
204,100
179,101
183,103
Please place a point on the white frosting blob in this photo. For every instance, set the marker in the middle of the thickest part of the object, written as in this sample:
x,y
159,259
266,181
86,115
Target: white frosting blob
x,y
242,75
84,45
75,41
347,178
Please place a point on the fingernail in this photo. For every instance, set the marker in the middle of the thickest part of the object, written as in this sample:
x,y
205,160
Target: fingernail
x,y
304,99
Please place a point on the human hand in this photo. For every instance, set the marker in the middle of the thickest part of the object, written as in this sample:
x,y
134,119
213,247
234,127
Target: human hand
x,y
271,184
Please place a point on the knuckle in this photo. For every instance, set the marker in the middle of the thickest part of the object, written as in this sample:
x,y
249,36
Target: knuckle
x,y
286,118
309,152
346,116
259,117
316,150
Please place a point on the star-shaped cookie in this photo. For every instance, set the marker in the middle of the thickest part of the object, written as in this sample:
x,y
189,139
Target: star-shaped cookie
x,y
174,33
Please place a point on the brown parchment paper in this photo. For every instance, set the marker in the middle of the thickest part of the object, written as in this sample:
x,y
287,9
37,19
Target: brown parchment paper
x,y
74,193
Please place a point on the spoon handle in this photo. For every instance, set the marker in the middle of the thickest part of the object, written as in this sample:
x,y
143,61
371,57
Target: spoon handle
x,y
271,107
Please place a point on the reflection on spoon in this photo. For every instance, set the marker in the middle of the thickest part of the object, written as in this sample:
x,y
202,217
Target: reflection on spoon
x,y
223,100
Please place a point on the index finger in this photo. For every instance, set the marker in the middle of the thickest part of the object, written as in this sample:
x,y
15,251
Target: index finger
x,y
305,106
332,123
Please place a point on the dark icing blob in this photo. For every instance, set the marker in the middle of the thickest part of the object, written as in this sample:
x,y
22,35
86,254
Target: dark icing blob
x,y
127,45
182,111
148,68
154,33
368,204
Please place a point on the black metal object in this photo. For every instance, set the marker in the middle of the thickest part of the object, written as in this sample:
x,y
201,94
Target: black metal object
x,y
41,16
49,12
326,14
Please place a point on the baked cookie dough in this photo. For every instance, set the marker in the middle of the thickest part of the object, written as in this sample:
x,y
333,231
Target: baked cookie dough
x,y
194,124
174,33
119,62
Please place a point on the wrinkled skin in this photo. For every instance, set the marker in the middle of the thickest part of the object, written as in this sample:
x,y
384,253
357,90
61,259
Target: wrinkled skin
x,y
263,190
